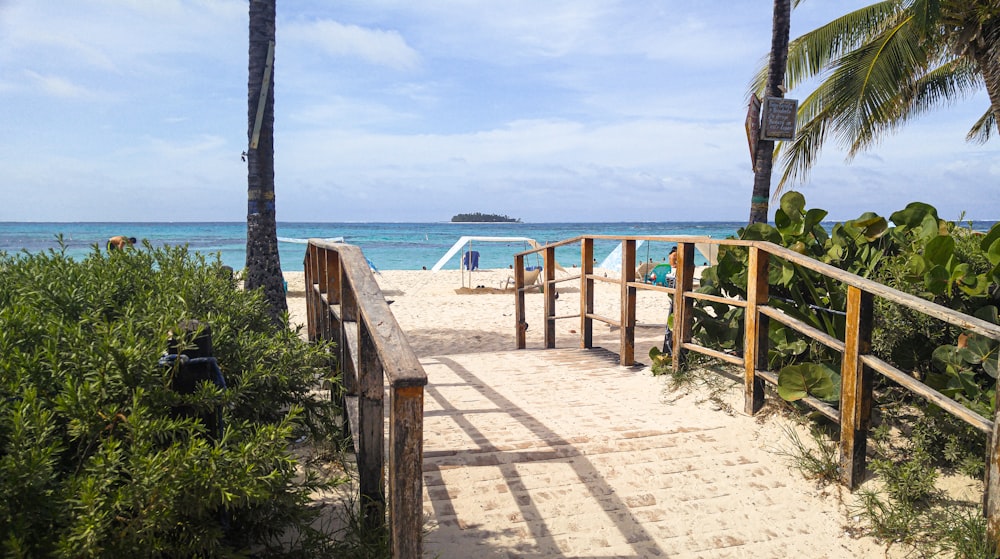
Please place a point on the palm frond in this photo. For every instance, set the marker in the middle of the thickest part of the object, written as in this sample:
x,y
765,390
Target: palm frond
x,y
799,155
813,53
951,81
872,84
983,129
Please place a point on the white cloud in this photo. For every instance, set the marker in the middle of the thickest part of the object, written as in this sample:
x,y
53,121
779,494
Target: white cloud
x,y
56,86
376,46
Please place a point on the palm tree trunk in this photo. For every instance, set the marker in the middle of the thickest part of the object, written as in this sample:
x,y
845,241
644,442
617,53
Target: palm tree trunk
x,y
764,156
989,67
263,263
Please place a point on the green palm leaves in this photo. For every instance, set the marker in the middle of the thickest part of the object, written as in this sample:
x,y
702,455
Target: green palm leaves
x,y
884,64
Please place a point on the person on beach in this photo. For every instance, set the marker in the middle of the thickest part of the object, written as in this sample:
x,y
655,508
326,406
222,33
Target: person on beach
x,y
119,242
672,259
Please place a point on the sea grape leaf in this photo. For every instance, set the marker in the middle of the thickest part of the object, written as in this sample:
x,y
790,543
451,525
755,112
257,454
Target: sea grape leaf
x,y
793,203
940,250
813,218
761,232
954,356
936,280
990,238
874,227
992,365
787,226
912,216
916,266
930,227
994,253
987,313
808,379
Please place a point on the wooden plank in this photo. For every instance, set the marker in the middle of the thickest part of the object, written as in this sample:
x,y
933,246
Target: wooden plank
x,y
406,443
520,324
626,353
815,403
755,342
586,293
731,359
400,363
855,388
716,299
371,481
348,360
351,407
312,309
801,327
604,319
566,279
982,424
564,316
683,317
549,294
265,87
877,289
650,287
373,349
991,498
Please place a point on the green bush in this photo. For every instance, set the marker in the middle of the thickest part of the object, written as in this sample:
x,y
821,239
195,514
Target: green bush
x,y
94,461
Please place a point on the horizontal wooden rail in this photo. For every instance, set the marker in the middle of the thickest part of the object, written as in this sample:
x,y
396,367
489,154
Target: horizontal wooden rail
x,y
802,328
913,385
345,305
720,355
716,299
857,362
650,287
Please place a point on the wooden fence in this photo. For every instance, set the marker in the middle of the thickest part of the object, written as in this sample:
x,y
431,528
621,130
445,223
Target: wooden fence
x,y
858,363
345,305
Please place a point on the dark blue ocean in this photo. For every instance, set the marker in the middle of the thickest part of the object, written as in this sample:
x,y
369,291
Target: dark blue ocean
x,y
389,246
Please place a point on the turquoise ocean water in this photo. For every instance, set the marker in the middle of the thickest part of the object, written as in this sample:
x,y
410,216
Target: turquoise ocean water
x,y
389,246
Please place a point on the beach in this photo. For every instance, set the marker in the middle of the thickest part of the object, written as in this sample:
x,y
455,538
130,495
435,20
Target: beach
x,y
444,321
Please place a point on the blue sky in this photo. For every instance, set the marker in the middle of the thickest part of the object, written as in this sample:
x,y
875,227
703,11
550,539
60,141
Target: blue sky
x,y
386,110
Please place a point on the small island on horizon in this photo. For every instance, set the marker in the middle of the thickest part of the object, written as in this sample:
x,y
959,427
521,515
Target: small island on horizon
x,y
479,217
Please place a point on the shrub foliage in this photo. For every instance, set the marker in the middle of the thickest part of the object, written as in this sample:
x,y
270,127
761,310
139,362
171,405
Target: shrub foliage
x,y
94,461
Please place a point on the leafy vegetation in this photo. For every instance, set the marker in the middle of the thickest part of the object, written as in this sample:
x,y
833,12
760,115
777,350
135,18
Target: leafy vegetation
x,y
96,459
916,252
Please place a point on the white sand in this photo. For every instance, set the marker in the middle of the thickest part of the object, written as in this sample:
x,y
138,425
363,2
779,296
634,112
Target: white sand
x,y
443,326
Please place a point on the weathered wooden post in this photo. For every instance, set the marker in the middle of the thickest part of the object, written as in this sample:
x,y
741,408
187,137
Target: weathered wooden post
x,y
991,498
627,353
549,293
586,293
371,479
683,317
520,324
855,387
755,343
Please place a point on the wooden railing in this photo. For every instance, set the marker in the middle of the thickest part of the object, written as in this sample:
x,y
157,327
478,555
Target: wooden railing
x,y
858,363
345,305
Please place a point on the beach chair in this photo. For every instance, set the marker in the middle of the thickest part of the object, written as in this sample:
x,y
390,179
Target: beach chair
x,y
644,269
661,275
530,278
